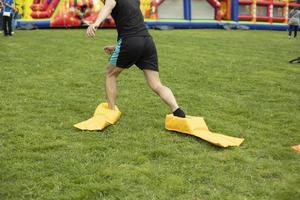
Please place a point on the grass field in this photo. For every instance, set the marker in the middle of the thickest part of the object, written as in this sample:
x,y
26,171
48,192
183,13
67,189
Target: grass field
x,y
239,81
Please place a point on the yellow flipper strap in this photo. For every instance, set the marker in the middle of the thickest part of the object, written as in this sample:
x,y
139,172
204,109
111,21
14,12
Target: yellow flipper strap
x,y
103,117
112,116
188,125
196,126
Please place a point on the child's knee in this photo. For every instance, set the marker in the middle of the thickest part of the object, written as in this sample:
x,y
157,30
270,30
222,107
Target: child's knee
x,y
112,71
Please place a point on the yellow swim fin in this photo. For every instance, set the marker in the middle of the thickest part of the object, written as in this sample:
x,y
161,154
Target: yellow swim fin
x,y
296,148
103,117
196,126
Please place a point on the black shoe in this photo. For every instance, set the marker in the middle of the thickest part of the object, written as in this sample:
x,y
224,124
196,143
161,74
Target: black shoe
x,y
179,113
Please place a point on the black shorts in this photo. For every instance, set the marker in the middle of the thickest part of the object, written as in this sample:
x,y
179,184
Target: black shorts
x,y
139,51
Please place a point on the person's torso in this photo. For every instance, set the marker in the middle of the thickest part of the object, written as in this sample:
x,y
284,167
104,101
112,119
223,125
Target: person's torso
x,y
295,18
129,19
6,8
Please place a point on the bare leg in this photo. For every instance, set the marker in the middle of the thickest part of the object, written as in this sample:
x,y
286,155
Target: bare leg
x,y
163,92
111,85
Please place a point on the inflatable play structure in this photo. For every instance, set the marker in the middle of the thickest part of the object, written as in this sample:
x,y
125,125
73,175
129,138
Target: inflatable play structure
x,y
59,13
256,14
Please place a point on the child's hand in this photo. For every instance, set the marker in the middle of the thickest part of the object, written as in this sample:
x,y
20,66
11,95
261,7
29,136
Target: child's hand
x,y
91,31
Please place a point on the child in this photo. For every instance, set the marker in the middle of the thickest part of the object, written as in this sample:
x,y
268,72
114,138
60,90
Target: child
x,y
7,17
1,15
134,46
294,21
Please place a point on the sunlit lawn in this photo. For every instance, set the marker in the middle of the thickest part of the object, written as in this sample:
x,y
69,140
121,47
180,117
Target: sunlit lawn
x,y
239,81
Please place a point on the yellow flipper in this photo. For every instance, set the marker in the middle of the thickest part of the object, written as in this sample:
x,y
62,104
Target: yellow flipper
x,y
102,118
196,126
296,148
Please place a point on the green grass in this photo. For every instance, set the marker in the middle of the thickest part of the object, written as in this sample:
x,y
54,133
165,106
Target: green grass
x,y
240,81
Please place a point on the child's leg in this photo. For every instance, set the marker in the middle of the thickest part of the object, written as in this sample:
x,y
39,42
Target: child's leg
x,y
290,30
295,31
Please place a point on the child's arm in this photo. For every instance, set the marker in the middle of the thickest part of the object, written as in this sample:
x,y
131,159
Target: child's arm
x,y
104,13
